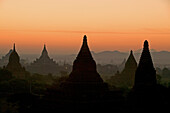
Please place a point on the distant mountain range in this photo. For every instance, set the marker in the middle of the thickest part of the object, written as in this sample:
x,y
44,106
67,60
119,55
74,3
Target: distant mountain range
x,y
160,58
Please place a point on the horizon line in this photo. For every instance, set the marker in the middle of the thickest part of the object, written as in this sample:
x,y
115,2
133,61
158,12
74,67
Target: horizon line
x,y
135,51
89,32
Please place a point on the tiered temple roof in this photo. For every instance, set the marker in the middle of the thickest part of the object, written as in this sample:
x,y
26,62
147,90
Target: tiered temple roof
x,y
44,64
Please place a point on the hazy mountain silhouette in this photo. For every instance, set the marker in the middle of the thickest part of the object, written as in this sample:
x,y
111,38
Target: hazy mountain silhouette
x,y
161,58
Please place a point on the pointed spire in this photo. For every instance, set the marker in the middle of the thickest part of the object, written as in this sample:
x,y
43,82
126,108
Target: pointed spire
x,y
14,57
146,56
44,47
84,67
131,52
85,39
14,47
44,52
84,51
145,73
146,45
84,60
131,62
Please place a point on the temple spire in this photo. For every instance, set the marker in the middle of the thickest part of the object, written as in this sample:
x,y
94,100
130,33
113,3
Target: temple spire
x,y
84,77
146,45
44,52
44,47
84,51
127,76
131,52
85,39
145,73
14,47
131,62
146,56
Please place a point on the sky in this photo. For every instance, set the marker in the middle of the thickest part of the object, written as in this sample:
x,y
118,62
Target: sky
x,y
60,24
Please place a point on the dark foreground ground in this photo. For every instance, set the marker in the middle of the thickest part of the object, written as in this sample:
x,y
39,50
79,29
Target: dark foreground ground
x,y
141,100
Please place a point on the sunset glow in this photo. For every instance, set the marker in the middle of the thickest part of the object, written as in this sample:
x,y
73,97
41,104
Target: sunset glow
x,y
60,24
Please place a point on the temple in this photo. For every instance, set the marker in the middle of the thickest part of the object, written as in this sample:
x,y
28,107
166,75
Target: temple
x,y
5,59
145,73
129,70
84,78
14,65
127,76
146,94
43,65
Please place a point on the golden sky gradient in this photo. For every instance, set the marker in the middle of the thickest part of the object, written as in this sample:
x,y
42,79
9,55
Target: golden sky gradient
x,y
60,24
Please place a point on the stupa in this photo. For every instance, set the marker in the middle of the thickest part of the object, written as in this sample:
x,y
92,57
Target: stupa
x,y
145,73
127,76
84,77
14,65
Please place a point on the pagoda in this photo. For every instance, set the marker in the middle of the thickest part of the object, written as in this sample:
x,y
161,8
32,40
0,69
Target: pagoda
x,y
84,77
14,65
127,76
145,73
129,70
5,59
44,64
146,94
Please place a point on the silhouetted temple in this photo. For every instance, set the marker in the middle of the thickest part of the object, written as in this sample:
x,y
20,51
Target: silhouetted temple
x,y
145,73
146,94
84,78
83,90
127,76
44,65
129,70
14,65
5,59
122,65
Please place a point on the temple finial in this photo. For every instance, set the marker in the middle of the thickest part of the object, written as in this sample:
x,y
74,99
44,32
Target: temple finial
x,y
131,52
84,51
44,46
44,52
85,38
14,47
146,45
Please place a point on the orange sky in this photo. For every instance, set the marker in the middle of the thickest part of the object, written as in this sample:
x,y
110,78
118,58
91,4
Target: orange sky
x,y
60,24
